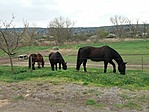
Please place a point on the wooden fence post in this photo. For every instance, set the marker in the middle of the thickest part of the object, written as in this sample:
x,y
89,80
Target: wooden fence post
x,y
142,63
31,62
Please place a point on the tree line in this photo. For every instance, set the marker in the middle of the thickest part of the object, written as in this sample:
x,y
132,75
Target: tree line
x,y
133,29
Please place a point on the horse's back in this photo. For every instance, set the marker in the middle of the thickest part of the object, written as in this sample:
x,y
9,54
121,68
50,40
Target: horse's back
x,y
89,51
36,57
33,56
39,55
84,51
95,53
54,55
110,52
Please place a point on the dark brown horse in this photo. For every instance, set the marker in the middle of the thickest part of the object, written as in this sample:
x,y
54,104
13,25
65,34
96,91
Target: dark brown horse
x,y
36,58
104,53
56,57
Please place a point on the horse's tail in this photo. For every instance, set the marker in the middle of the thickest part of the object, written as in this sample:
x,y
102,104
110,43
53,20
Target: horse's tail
x,y
30,61
43,62
78,56
50,55
78,60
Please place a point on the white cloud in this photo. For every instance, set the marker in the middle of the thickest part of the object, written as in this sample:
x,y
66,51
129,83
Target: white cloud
x,y
84,12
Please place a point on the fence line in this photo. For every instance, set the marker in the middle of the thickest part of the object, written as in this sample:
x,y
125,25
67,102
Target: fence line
x,y
134,61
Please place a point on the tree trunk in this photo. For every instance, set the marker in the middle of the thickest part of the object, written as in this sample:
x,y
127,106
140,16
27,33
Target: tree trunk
x,y
12,68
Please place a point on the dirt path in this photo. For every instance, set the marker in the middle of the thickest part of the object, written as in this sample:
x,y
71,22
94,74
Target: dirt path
x,y
37,96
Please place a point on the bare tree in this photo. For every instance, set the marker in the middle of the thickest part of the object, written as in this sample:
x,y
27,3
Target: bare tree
x,y
9,39
145,28
29,37
118,22
60,28
133,28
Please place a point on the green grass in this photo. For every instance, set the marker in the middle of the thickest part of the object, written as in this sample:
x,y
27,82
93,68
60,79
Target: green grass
x,y
90,102
28,50
17,98
94,76
130,105
124,47
94,103
134,79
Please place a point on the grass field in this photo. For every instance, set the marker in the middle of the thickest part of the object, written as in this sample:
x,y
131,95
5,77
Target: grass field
x,y
132,79
134,52
139,47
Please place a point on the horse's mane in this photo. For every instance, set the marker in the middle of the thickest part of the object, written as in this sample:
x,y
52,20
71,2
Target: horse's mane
x,y
117,57
59,54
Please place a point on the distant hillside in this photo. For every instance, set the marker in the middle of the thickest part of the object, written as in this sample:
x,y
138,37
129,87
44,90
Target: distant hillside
x,y
77,30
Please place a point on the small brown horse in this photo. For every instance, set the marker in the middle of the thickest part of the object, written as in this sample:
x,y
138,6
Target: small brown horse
x,y
56,57
104,53
36,58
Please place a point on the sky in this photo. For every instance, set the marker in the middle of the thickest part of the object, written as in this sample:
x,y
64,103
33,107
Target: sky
x,y
85,13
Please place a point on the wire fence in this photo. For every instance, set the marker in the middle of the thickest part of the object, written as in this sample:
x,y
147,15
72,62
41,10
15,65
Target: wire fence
x,y
134,61
137,61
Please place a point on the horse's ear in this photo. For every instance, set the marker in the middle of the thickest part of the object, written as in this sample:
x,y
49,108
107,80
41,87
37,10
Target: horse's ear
x,y
125,62
66,63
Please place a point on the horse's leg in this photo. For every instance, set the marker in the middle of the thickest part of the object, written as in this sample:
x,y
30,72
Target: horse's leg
x,y
105,66
33,65
79,62
84,65
38,64
113,64
56,66
52,66
59,65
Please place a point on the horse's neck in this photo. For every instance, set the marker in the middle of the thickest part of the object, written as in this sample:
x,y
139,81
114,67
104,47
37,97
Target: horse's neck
x,y
62,61
118,59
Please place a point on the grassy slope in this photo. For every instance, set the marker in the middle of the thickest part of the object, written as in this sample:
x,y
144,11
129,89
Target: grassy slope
x,y
134,78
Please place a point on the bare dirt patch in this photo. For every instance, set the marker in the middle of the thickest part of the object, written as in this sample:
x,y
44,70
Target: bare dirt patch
x,y
37,96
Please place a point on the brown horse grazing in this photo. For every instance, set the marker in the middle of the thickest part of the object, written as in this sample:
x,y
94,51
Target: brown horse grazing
x,y
36,58
56,57
104,53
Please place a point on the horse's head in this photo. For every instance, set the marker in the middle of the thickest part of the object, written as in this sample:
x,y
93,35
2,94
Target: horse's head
x,y
65,66
122,68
